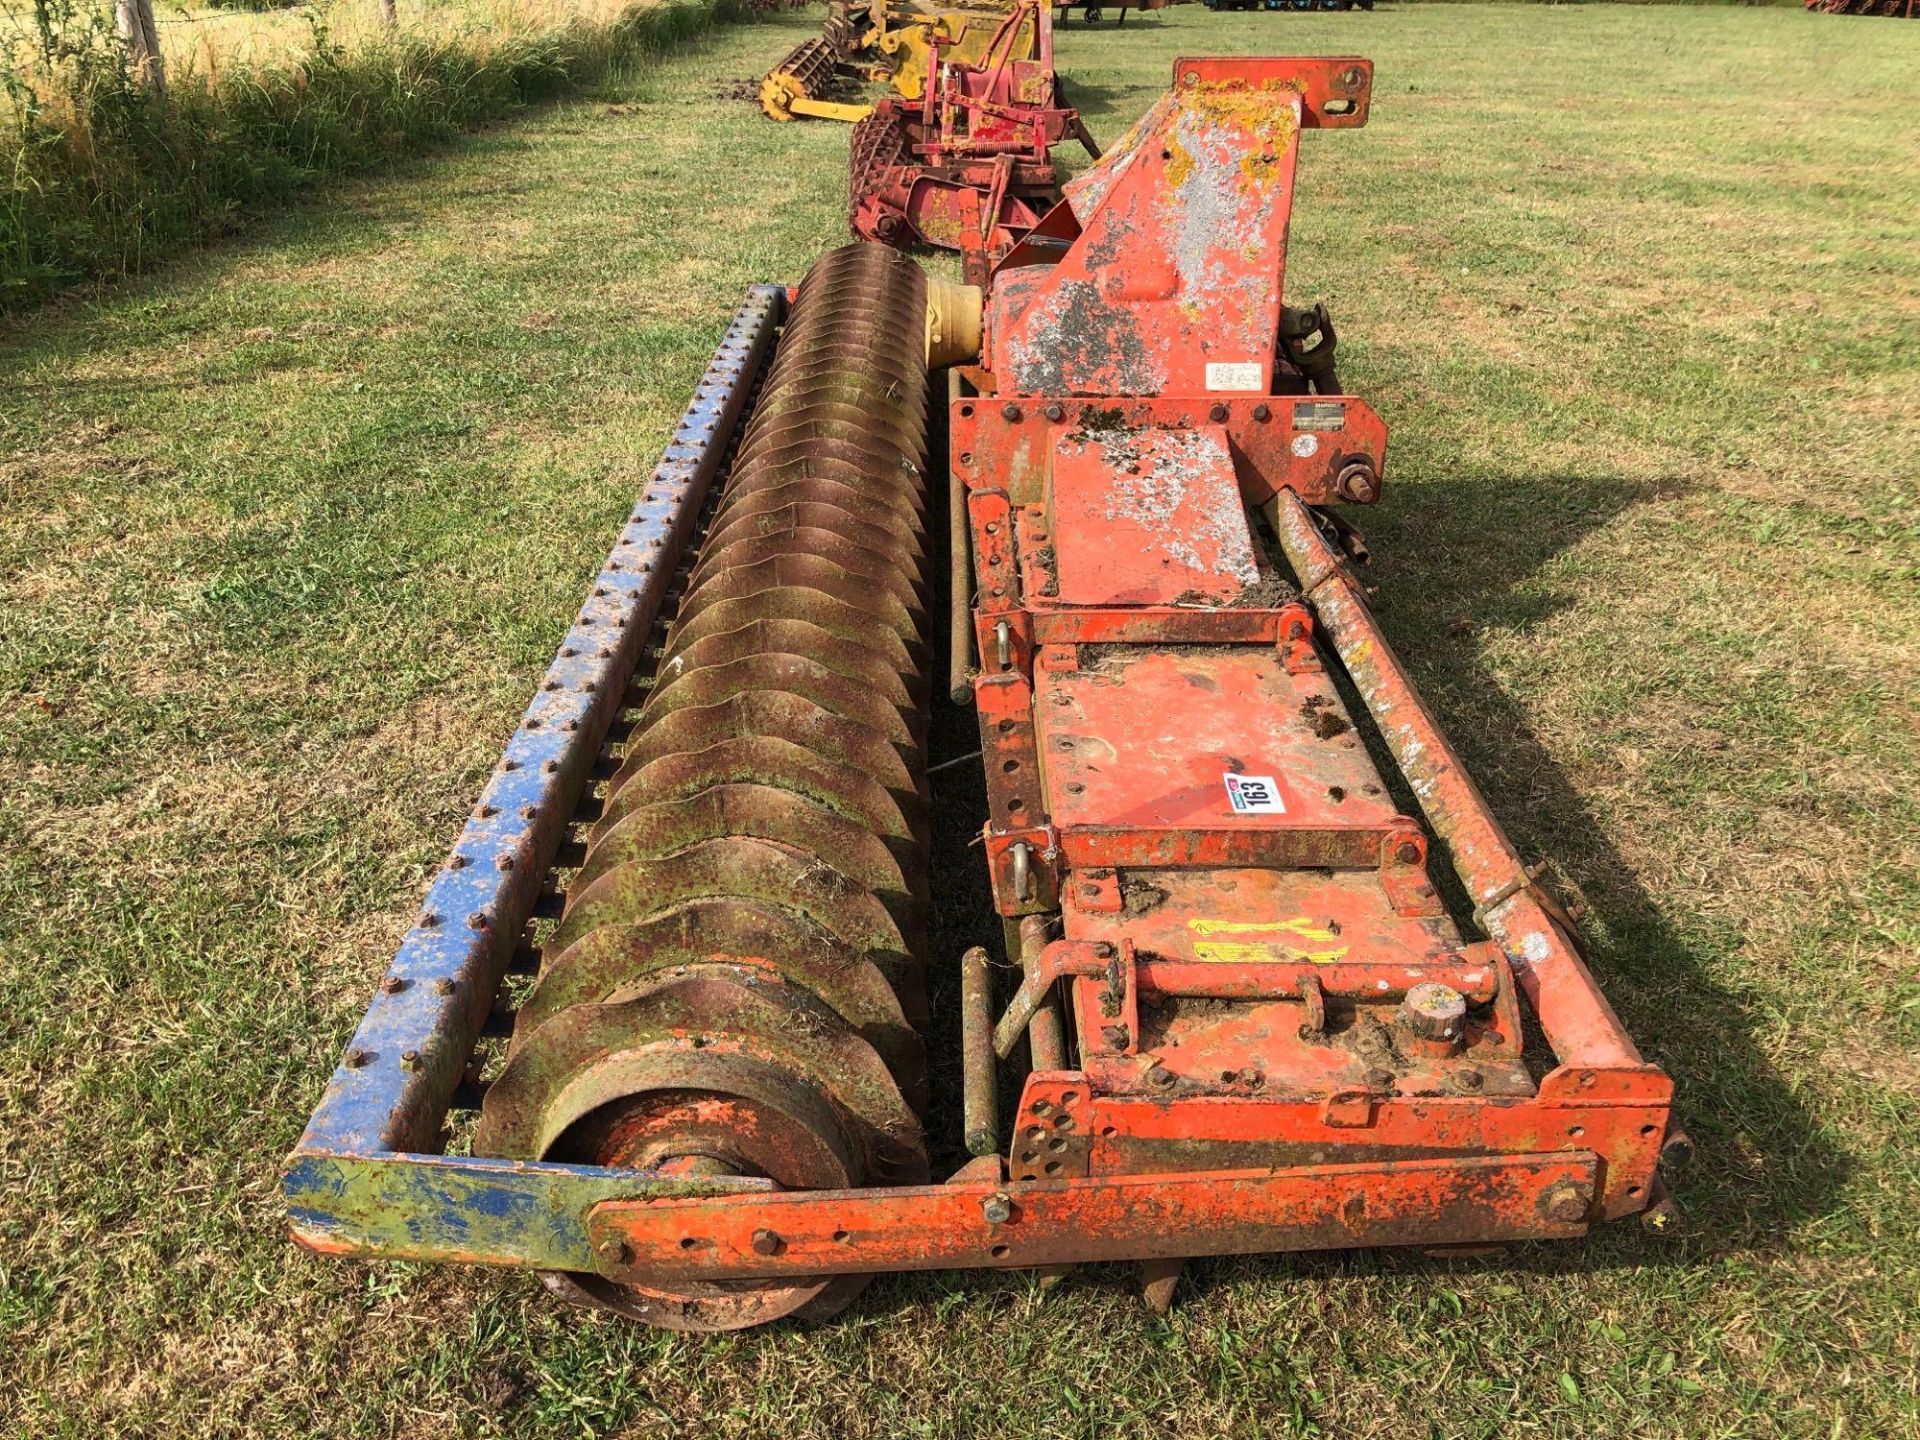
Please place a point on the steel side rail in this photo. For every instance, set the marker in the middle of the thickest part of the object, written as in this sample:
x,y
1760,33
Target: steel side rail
x,y
974,1224
365,1177
1585,1034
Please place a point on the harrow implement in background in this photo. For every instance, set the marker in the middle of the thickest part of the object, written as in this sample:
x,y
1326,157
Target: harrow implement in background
x,y
1889,9
1329,5
969,165
804,83
884,40
1245,1013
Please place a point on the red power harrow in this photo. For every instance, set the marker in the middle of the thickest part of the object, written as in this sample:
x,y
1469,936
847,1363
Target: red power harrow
x,y
968,166
1276,979
1891,9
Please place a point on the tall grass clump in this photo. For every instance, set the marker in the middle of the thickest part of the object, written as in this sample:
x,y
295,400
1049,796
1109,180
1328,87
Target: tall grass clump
x,y
102,177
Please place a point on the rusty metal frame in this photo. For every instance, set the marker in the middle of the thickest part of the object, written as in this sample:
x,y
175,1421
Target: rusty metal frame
x,y
984,1223
1108,1161
365,1180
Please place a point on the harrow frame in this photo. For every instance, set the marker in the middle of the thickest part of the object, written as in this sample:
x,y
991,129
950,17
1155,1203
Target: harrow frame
x,y
368,1177
1097,1163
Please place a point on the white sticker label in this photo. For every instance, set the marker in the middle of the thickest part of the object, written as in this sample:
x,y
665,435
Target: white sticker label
x,y
1254,795
1306,446
1236,375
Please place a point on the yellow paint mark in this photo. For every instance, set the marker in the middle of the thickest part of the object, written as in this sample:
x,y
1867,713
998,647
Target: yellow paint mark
x,y
1300,925
1229,952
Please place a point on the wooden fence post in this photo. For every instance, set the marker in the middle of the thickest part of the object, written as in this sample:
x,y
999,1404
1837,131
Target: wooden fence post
x,y
135,21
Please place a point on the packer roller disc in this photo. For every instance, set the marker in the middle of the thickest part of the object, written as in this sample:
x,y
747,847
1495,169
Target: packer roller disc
x,y
733,984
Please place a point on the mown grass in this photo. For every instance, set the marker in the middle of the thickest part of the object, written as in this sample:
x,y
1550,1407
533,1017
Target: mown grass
x,y
292,527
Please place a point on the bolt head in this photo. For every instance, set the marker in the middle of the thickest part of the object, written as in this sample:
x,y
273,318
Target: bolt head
x,y
996,1209
1262,414
1056,413
1010,412
1434,1012
1358,482
1568,1204
1408,853
767,1242
1217,414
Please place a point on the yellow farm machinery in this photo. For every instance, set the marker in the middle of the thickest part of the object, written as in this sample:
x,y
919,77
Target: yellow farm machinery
x,y
894,42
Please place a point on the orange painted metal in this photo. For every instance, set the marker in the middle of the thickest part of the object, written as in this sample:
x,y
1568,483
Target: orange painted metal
x,y
1297,442
1116,1217
1246,909
1172,283
1580,1024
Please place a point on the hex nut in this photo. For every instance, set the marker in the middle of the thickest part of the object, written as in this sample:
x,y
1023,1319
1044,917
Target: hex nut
x,y
1357,481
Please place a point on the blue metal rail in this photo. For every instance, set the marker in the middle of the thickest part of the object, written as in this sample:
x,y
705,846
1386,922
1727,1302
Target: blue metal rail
x,y
367,1176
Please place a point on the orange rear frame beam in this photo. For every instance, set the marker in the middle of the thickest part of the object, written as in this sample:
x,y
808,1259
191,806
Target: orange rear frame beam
x,y
984,1223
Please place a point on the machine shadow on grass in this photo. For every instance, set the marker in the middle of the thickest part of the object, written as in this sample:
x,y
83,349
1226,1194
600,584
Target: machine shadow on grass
x,y
1655,976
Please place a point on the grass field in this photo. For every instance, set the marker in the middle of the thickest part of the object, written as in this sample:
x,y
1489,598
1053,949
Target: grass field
x,y
292,526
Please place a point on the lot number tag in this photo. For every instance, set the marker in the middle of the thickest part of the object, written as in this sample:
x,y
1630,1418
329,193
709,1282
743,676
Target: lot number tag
x,y
1254,795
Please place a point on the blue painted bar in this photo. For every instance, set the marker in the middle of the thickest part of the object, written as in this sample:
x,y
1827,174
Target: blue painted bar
x,y
469,1210
385,1103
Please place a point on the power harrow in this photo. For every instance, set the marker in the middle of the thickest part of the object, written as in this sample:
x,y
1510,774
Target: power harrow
x,y
1289,4
1891,9
1274,978
969,165
1092,11
890,41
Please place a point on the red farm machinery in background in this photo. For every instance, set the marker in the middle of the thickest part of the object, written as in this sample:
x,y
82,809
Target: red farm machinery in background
x,y
968,165
1273,977
1890,9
